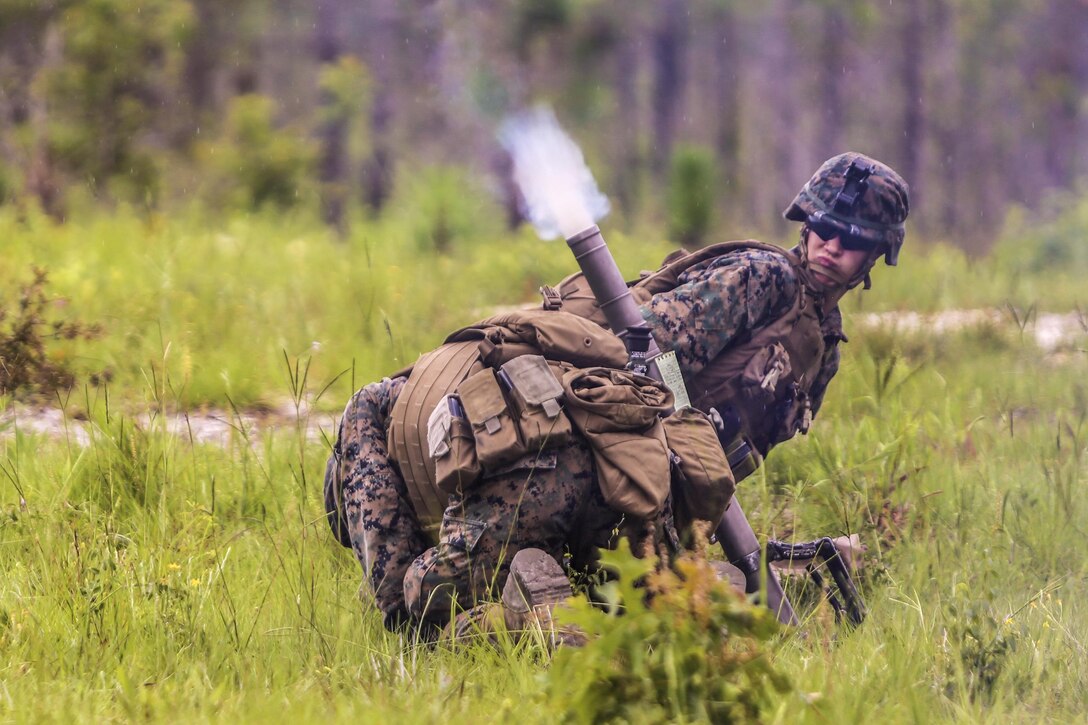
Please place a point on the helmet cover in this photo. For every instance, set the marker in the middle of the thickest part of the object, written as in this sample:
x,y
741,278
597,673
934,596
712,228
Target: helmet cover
x,y
863,196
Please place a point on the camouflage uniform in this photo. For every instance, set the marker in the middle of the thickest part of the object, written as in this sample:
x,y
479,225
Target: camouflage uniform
x,y
552,503
724,301
379,522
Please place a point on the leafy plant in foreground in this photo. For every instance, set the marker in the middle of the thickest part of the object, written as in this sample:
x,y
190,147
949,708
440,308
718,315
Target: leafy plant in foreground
x,y
683,647
984,642
25,330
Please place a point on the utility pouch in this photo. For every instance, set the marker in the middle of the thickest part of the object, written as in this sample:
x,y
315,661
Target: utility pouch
x,y
493,428
764,371
702,479
452,446
795,414
534,397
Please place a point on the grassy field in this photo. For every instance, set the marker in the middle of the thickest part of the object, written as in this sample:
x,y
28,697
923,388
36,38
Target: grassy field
x,y
145,577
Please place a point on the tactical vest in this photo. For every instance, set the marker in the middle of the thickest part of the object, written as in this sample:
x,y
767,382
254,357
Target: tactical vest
x,y
558,336
765,378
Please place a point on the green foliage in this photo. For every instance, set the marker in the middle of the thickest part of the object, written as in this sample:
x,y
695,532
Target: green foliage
x,y
447,209
120,61
534,18
695,651
981,640
691,196
255,164
147,576
30,361
1051,241
8,186
178,292
349,87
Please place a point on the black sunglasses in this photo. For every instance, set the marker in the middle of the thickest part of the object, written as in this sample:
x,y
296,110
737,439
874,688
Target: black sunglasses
x,y
828,230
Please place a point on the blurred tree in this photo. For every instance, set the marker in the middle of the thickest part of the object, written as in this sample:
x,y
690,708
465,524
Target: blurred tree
x,y
980,103
914,39
119,63
377,37
335,116
1060,93
670,77
834,39
625,126
218,62
691,196
255,164
342,132
780,110
728,61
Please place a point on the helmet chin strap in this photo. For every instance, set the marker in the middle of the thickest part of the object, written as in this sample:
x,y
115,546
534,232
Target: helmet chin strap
x,y
839,285
837,279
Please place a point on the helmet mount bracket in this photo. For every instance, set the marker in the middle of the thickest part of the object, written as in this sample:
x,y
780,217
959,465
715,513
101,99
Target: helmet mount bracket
x,y
854,186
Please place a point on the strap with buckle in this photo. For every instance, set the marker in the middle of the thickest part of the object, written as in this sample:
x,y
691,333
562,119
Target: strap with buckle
x,y
552,299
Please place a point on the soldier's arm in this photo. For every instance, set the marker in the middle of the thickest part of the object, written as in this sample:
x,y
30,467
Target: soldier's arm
x,y
717,304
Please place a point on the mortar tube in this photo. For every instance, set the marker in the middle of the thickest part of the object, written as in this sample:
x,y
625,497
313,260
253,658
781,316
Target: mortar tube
x,y
735,534
741,546
600,270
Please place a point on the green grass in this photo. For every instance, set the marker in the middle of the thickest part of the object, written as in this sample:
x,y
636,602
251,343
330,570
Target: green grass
x,y
216,308
149,578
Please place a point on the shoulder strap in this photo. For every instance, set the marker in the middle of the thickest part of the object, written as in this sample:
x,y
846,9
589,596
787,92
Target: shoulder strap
x,y
666,277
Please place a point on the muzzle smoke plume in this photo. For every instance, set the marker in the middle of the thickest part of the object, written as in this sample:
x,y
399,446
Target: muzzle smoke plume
x,y
560,194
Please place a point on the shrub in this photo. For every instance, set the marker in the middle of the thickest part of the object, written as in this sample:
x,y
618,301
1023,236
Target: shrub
x,y
446,208
1052,242
120,60
691,195
255,164
687,647
26,330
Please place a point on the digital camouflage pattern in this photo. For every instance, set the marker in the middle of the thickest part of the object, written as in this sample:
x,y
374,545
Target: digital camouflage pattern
x,y
723,302
555,506
878,215
552,503
384,532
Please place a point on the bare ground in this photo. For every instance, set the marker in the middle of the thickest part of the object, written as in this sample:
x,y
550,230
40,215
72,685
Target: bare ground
x,y
1051,332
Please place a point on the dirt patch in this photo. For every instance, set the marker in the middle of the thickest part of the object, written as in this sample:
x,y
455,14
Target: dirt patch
x,y
1051,332
221,427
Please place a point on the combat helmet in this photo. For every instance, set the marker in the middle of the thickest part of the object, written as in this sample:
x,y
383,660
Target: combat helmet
x,y
860,196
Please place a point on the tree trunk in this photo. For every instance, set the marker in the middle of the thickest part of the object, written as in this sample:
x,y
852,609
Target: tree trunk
x,y
832,64
914,56
626,125
670,38
776,175
727,61
332,133
379,36
1063,58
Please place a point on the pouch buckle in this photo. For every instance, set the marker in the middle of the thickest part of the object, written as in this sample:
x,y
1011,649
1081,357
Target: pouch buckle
x,y
552,299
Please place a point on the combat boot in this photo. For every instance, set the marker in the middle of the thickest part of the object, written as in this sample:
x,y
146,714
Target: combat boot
x,y
535,587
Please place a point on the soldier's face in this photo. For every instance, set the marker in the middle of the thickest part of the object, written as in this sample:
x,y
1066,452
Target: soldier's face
x,y
830,254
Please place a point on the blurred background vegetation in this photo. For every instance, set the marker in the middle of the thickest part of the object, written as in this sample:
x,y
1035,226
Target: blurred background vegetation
x,y
344,106
229,203
322,178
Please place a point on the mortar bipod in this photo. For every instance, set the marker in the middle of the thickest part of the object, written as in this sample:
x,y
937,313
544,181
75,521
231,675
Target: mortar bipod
x,y
823,551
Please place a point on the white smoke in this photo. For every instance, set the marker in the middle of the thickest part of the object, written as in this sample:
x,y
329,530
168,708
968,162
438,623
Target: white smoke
x,y
561,196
